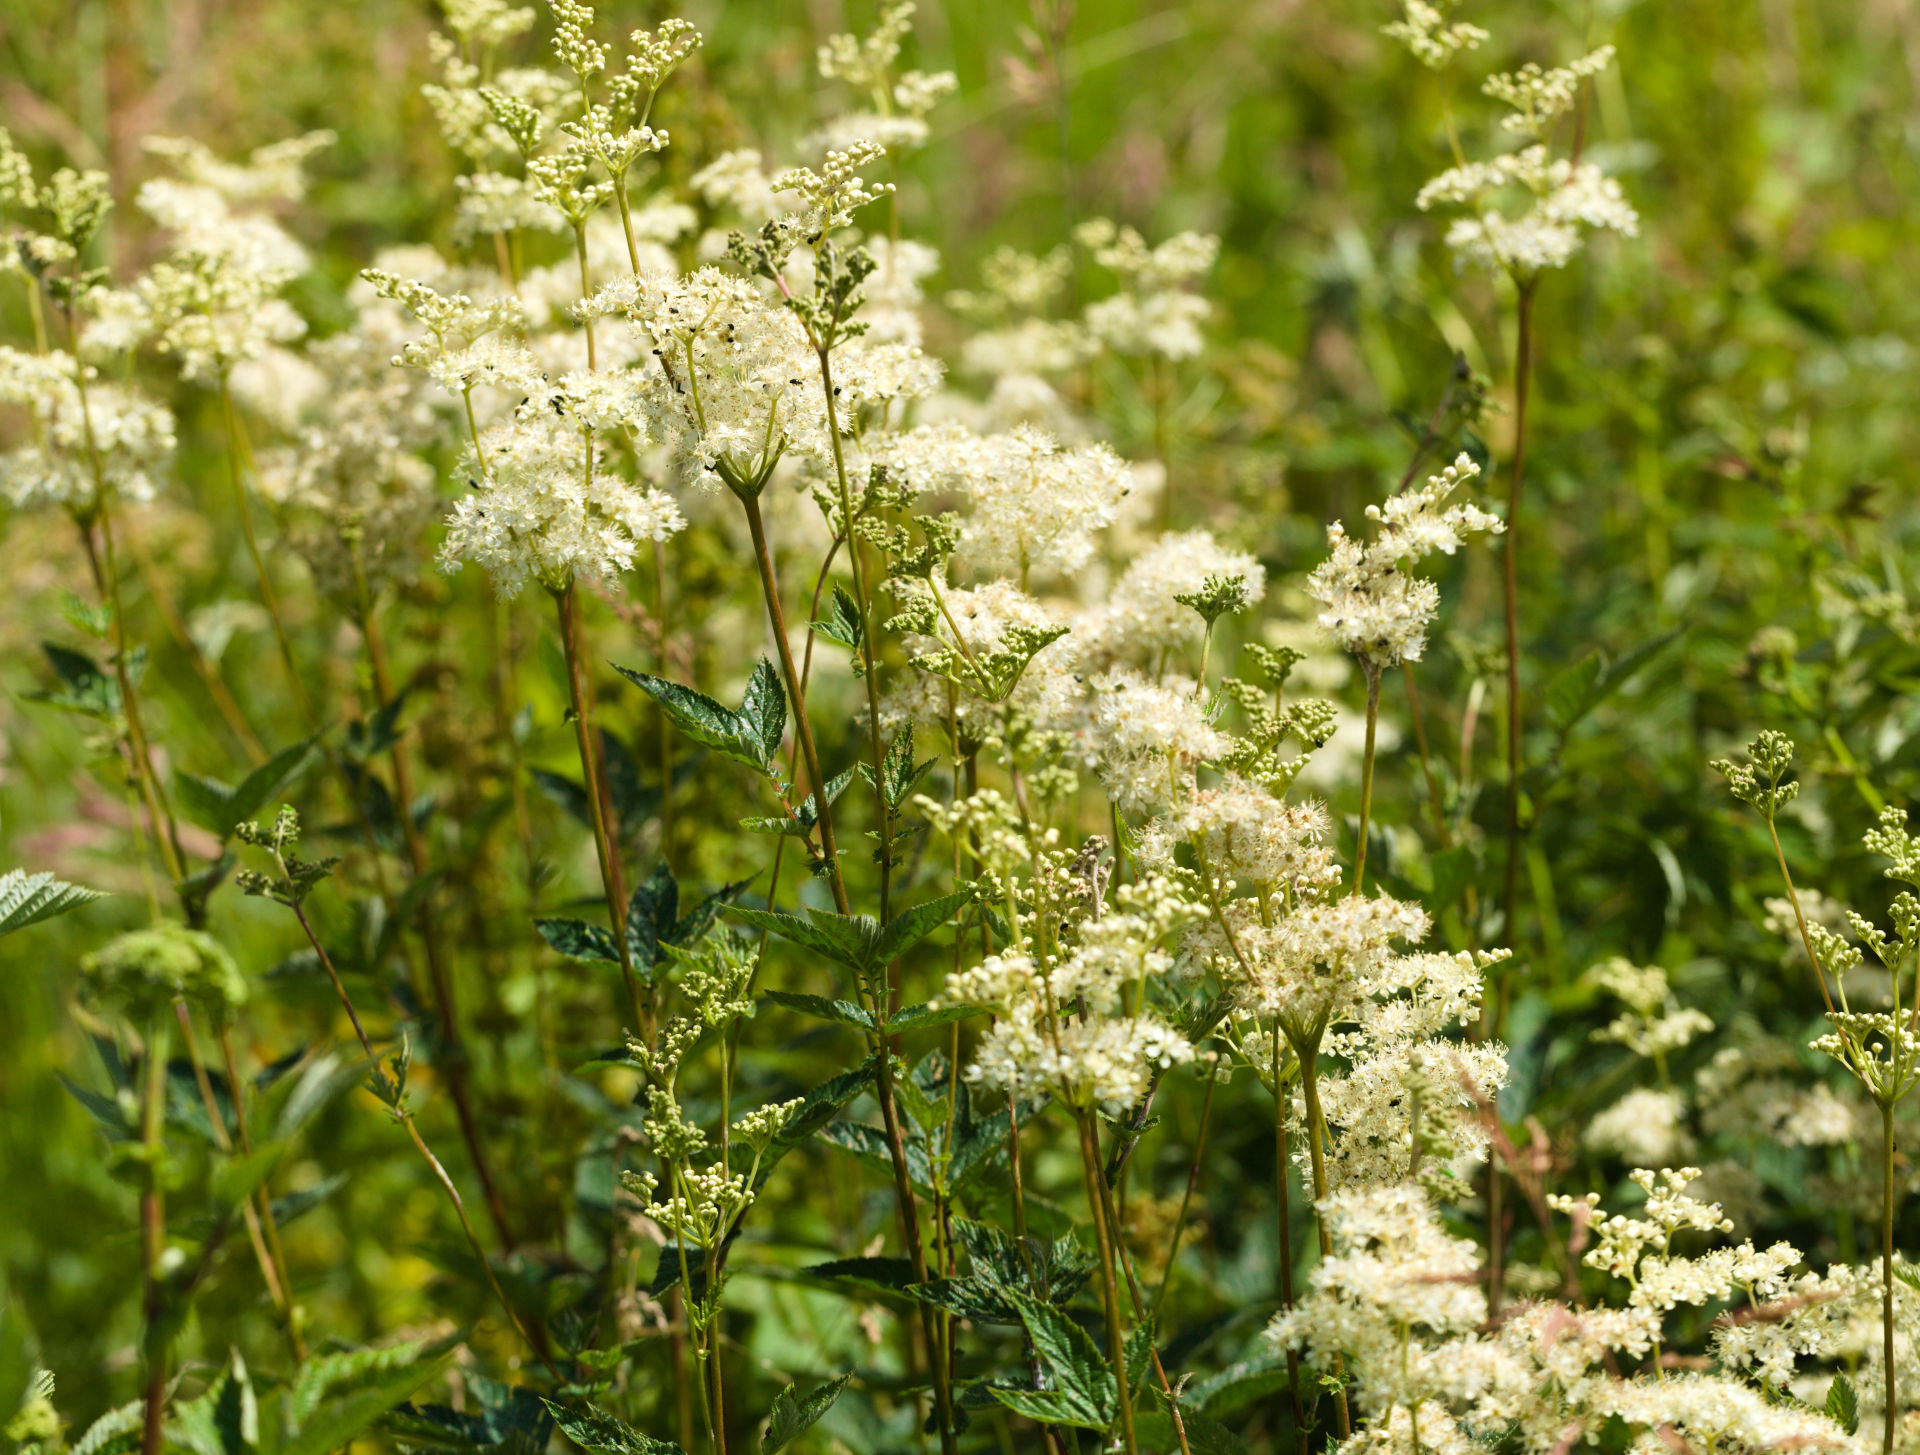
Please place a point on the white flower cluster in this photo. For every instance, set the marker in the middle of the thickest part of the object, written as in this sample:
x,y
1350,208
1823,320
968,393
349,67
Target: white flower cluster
x,y
1153,315
1375,610
85,448
1564,197
1035,506
1062,1023
213,301
1434,40
545,507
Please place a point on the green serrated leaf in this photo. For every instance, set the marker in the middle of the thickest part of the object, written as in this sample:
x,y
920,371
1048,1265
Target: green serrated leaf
x,y
26,899
1573,692
793,1415
816,1110
750,736
842,622
919,1017
1843,1404
295,1204
510,1420
884,1275
263,785
564,792
910,927
847,940
844,1012
1085,1392
1238,1385
85,687
117,1432
1205,1435
578,940
764,710
224,1419
336,1397
596,1429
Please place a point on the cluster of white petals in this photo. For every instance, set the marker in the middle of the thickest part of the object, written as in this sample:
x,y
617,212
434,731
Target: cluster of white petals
x,y
86,446
1376,610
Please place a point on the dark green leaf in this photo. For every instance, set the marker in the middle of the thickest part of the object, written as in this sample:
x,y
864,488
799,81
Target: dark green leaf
x,y
910,927
793,1415
882,1275
919,1017
763,710
595,1429
510,1420
750,736
578,940
564,792
845,939
1573,692
337,1397
1085,1392
842,622
235,1179
263,785
294,1204
1205,1435
1238,1385
224,1419
845,1012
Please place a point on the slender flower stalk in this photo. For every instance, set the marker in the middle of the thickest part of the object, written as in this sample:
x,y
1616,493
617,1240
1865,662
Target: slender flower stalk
x,y
567,606
452,1044
1372,672
269,1224
272,1270
1510,601
1109,1286
1282,1199
748,494
295,879
153,1237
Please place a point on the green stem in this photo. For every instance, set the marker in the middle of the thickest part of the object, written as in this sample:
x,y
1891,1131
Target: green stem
x,y
1510,593
1109,1284
567,604
405,1118
868,675
1283,1200
1316,1129
1886,1269
1372,671
153,1238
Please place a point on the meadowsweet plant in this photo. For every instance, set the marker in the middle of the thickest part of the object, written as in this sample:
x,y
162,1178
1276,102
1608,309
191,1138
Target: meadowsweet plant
x,y
1527,214
631,631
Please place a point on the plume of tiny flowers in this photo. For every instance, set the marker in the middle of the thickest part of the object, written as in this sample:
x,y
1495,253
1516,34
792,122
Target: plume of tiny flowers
x,y
896,110
545,506
729,394
214,299
1563,197
82,449
1434,39
1062,1022
1033,505
1143,617
1153,315
1394,1298
1375,610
